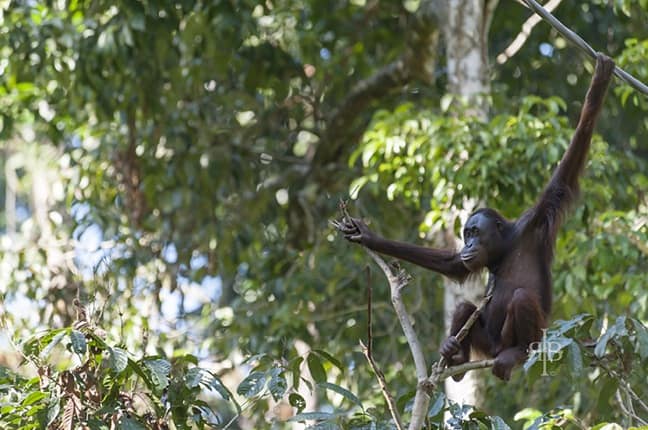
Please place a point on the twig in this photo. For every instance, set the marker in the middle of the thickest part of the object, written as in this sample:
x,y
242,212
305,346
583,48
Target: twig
x,y
465,367
391,403
369,324
627,409
524,34
635,396
366,349
584,46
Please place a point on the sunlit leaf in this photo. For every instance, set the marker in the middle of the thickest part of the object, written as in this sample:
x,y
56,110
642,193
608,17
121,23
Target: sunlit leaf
x,y
118,359
252,384
159,369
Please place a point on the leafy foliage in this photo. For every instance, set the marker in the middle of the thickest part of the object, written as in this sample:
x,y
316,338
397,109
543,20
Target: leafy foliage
x,y
162,159
104,384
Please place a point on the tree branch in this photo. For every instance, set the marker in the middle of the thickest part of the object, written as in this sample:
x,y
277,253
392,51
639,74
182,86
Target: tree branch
x,y
628,409
463,368
584,46
524,34
391,403
367,351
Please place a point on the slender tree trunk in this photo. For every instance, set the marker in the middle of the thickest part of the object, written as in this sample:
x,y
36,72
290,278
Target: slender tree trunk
x,y
466,32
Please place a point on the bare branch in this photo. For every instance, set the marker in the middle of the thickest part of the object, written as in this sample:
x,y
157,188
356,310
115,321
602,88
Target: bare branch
x,y
369,323
584,46
628,409
465,367
524,34
391,403
634,396
489,13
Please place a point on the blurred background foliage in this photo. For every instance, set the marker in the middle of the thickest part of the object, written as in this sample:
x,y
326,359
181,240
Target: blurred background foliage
x,y
170,168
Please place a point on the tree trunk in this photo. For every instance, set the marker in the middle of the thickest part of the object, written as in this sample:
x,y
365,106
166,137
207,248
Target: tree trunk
x,y
466,31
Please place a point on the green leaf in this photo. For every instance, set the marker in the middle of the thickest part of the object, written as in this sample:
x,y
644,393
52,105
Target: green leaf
x,y
531,360
138,22
193,377
53,410
607,387
565,326
575,359
406,401
642,338
617,329
216,384
601,344
25,87
117,359
498,423
607,426
52,341
197,376
79,343
328,357
342,391
252,385
277,384
160,370
33,397
527,414
316,368
356,186
126,423
295,367
297,401
437,406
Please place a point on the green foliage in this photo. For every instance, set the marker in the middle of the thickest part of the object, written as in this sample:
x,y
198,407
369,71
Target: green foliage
x,y
615,363
416,154
630,61
98,383
162,155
